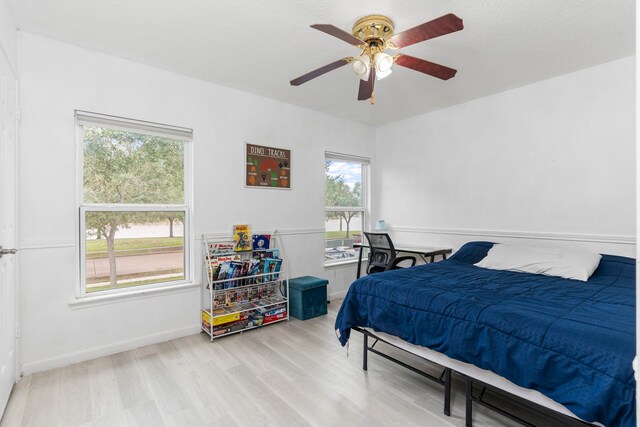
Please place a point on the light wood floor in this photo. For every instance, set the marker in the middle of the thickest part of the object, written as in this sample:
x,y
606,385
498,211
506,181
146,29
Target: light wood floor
x,y
286,374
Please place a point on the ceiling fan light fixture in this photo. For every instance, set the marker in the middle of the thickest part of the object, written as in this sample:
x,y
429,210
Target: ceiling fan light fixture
x,y
361,67
383,63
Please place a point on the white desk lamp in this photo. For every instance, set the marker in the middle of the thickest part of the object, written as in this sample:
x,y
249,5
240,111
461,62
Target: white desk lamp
x,y
381,225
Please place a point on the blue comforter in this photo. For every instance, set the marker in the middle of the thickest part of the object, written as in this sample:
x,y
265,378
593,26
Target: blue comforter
x,y
573,341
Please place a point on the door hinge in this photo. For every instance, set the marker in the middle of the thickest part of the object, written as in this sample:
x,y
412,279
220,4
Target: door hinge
x,y
17,330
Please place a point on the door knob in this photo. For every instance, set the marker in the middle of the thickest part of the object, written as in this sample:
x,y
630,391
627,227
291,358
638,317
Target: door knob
x,y
7,251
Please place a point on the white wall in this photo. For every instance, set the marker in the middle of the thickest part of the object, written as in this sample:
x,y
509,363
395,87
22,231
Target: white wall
x,y
8,34
552,160
58,78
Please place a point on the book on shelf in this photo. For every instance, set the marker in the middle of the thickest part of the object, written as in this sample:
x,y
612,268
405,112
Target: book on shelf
x,y
260,242
245,270
258,264
235,268
242,237
215,263
269,253
219,259
217,248
255,267
272,267
235,274
223,270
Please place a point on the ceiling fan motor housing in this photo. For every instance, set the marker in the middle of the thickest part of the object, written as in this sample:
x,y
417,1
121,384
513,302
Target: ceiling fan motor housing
x,y
373,29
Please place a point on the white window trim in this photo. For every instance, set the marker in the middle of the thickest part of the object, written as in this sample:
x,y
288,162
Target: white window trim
x,y
332,155
136,292
364,208
141,126
82,298
349,209
342,263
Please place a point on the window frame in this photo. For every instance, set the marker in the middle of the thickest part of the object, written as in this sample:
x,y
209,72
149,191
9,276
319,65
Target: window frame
x,y
83,118
365,162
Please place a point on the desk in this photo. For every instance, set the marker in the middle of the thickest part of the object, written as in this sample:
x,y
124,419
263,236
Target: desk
x,y
424,252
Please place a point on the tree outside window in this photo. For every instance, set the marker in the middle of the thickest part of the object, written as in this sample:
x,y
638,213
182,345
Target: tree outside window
x,y
344,208
133,210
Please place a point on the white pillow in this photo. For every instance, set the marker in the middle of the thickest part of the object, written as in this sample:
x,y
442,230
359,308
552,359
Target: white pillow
x,y
550,262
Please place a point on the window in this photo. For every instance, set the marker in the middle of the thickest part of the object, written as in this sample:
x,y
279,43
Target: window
x,y
345,205
134,210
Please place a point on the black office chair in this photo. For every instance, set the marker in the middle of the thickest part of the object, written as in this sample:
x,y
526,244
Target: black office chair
x,y
382,254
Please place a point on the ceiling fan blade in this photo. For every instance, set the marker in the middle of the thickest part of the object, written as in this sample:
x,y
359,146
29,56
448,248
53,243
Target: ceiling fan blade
x,y
318,72
438,27
337,32
431,68
366,87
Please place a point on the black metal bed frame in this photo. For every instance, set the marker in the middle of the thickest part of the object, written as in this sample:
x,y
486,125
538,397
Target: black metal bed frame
x,y
543,410
445,380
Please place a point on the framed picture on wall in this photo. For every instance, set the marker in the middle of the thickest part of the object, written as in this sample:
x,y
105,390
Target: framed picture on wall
x,y
267,167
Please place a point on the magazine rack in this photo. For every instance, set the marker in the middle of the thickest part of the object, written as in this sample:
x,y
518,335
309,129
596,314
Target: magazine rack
x,y
242,302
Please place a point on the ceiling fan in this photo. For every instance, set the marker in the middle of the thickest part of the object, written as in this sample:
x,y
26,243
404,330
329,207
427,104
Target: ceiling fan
x,y
373,34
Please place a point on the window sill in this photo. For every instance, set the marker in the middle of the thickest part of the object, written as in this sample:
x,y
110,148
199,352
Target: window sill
x,y
91,301
343,263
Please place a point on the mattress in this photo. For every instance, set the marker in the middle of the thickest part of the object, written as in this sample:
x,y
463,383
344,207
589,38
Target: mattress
x,y
569,340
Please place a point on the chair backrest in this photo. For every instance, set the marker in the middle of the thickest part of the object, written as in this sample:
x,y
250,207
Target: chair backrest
x,y
382,253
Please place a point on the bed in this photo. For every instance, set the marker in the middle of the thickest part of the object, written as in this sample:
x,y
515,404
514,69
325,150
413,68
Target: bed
x,y
571,342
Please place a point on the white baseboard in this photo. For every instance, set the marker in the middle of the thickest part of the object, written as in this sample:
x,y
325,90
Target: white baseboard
x,y
106,350
337,295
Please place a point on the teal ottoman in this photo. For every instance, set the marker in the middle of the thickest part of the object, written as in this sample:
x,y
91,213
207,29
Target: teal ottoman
x,y
307,297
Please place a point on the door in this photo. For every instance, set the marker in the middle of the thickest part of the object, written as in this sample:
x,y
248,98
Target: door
x,y
8,229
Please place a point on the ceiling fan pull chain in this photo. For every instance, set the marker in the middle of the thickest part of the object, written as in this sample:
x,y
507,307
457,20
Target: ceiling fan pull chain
x,y
372,98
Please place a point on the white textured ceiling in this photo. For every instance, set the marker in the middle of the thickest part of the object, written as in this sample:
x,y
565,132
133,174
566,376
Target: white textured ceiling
x,y
258,46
